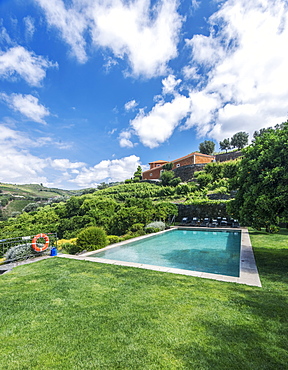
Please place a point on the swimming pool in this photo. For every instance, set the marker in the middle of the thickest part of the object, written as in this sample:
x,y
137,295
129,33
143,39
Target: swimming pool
x,y
248,273
215,252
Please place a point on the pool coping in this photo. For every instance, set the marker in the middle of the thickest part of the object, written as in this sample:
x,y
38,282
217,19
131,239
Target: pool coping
x,y
248,269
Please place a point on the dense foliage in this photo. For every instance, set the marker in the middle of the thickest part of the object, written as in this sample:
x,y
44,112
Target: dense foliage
x,y
207,147
239,140
225,144
91,238
262,198
114,209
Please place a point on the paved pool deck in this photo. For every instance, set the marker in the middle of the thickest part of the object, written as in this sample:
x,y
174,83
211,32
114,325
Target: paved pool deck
x,y
248,269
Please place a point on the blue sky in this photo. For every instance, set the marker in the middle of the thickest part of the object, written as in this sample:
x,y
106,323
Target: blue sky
x,y
90,89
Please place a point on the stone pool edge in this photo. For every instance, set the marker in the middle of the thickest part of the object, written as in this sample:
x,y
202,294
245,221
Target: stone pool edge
x,y
248,269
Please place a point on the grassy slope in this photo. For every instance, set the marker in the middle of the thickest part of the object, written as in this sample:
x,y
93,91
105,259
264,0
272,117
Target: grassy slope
x,y
64,314
15,206
29,191
35,190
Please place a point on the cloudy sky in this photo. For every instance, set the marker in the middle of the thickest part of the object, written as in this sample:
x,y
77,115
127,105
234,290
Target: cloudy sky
x,y
90,89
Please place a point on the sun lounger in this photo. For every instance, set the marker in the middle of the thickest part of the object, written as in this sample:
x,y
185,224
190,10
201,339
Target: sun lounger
x,y
223,222
205,222
194,221
184,221
214,223
235,223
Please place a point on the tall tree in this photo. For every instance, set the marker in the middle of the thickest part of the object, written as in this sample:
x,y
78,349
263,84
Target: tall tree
x,y
207,147
225,144
239,140
137,174
262,196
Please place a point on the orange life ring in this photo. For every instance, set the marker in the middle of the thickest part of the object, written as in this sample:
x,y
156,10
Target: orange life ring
x,y
35,246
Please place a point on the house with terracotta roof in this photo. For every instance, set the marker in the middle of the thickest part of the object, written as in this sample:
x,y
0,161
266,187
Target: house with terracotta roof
x,y
156,167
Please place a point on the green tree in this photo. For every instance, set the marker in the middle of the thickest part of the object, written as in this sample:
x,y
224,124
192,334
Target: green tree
x,y
215,169
240,140
137,174
203,179
262,196
207,147
168,179
168,166
165,209
225,144
122,221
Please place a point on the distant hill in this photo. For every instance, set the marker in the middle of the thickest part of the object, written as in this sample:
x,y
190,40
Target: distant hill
x,y
36,190
13,197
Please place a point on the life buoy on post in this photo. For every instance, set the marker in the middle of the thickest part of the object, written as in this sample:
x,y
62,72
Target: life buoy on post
x,y
35,246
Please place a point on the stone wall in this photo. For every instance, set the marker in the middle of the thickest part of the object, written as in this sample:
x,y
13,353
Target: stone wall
x,y
186,173
228,156
202,210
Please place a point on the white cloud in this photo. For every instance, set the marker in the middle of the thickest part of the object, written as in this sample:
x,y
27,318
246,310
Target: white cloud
x,y
18,61
19,165
107,170
28,105
246,67
191,73
110,63
124,139
120,27
30,28
132,104
169,84
155,127
4,37
203,108
243,86
71,22
195,4
64,164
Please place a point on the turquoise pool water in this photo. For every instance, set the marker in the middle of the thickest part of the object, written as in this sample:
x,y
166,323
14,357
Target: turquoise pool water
x,y
216,252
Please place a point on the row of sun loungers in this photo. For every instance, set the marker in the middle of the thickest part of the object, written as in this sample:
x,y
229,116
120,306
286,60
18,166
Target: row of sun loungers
x,y
209,222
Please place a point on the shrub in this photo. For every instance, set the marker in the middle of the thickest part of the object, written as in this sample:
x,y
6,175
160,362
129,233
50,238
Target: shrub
x,y
182,189
137,227
272,229
150,230
70,248
67,245
127,237
204,179
112,239
91,238
156,225
22,251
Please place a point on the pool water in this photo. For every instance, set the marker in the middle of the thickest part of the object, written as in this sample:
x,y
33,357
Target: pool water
x,y
216,252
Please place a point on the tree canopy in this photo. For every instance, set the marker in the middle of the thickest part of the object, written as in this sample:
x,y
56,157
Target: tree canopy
x,y
262,197
225,144
239,140
207,147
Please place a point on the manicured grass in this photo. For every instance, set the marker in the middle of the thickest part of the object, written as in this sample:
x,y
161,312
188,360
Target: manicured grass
x,y
65,314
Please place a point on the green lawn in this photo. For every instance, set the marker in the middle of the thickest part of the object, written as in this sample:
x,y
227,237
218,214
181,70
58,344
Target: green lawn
x,y
65,314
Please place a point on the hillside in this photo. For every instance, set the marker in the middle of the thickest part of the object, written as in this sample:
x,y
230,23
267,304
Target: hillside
x,y
35,190
13,197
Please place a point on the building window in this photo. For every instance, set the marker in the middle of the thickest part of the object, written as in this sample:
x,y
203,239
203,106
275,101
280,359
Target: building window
x,y
178,165
151,174
157,165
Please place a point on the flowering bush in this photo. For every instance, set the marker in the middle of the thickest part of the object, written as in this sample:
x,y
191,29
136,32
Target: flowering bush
x,y
156,225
